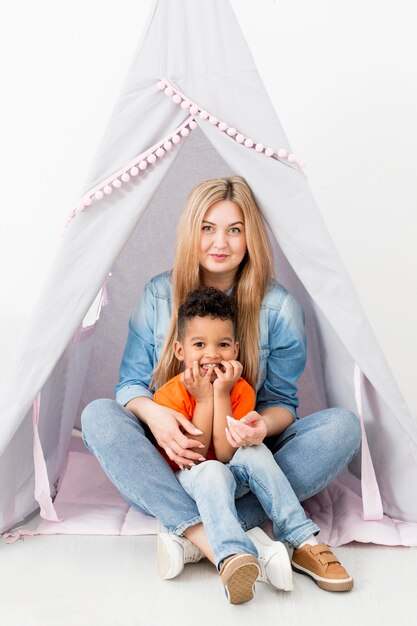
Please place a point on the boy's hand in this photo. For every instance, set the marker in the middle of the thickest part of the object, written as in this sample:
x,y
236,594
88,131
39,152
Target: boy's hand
x,y
197,384
225,380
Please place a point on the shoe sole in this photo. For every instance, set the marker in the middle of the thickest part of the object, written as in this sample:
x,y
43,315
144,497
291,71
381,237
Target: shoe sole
x,y
170,560
328,584
284,580
240,587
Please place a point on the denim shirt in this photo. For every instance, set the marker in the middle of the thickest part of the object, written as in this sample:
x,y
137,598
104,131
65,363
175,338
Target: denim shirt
x,y
282,345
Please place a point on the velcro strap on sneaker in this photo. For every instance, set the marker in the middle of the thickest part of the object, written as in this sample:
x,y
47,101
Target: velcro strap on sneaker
x,y
327,557
319,549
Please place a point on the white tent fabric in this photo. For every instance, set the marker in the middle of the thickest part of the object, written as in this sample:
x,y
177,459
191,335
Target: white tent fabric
x,y
199,49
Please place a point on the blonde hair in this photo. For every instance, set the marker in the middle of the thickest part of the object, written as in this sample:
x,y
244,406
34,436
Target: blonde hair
x,y
252,278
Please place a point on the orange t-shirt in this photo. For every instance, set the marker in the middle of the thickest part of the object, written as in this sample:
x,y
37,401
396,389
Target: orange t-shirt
x,y
175,396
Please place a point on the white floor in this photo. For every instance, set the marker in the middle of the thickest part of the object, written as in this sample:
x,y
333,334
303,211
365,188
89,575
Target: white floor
x,y
112,581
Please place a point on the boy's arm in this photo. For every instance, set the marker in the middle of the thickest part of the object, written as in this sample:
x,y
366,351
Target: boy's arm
x,y
202,391
222,407
228,402
203,419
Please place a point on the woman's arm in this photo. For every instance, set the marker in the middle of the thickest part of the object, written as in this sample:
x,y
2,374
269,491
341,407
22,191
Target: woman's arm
x,y
277,399
138,357
277,419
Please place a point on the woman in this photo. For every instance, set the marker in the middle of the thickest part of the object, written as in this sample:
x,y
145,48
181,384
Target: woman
x,y
221,243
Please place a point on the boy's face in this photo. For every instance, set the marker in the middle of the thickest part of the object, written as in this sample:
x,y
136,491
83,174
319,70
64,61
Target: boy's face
x,y
207,341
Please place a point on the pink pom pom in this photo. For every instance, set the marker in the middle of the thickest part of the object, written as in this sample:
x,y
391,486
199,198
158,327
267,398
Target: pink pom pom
x,y
176,98
203,114
240,138
161,84
80,207
134,171
143,165
194,109
160,152
87,201
107,190
185,104
185,132
213,120
167,145
175,139
125,177
168,91
116,183
302,164
99,195
269,152
248,143
282,153
231,132
151,158
222,126
259,147
292,158
193,124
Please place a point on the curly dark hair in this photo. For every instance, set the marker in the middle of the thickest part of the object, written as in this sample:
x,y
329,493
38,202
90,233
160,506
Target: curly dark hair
x,y
206,302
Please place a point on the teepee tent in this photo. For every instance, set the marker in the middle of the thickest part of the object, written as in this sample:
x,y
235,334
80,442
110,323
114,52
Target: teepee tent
x,y
194,107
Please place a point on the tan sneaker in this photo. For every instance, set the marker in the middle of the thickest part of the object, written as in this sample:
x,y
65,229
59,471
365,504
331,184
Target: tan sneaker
x,y
239,573
322,566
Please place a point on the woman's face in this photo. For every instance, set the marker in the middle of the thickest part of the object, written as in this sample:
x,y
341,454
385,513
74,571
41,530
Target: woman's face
x,y
222,241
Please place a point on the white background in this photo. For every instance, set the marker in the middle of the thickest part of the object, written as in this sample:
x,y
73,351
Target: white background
x,y
342,78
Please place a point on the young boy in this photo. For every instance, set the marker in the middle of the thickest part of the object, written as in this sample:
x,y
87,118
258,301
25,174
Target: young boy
x,y
210,389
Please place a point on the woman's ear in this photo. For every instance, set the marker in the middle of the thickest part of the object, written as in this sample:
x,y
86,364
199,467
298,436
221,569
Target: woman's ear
x,y
236,349
178,351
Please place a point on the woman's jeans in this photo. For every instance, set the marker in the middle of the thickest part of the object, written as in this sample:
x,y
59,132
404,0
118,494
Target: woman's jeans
x,y
214,486
310,452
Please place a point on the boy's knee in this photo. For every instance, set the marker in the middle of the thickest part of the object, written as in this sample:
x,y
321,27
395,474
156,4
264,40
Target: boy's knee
x,y
210,470
253,455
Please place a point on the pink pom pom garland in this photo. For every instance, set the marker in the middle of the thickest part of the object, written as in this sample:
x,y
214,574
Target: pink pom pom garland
x,y
185,102
141,162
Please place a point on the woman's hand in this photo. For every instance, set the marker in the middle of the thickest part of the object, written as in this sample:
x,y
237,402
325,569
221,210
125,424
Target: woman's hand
x,y
165,425
227,379
251,430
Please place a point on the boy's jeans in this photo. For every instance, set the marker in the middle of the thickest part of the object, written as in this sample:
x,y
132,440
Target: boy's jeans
x,y
214,486
310,452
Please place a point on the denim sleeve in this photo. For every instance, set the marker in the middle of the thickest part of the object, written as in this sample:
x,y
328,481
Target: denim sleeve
x,y
287,357
138,357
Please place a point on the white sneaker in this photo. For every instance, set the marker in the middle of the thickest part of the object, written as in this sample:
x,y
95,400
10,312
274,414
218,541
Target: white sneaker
x,y
273,559
173,552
